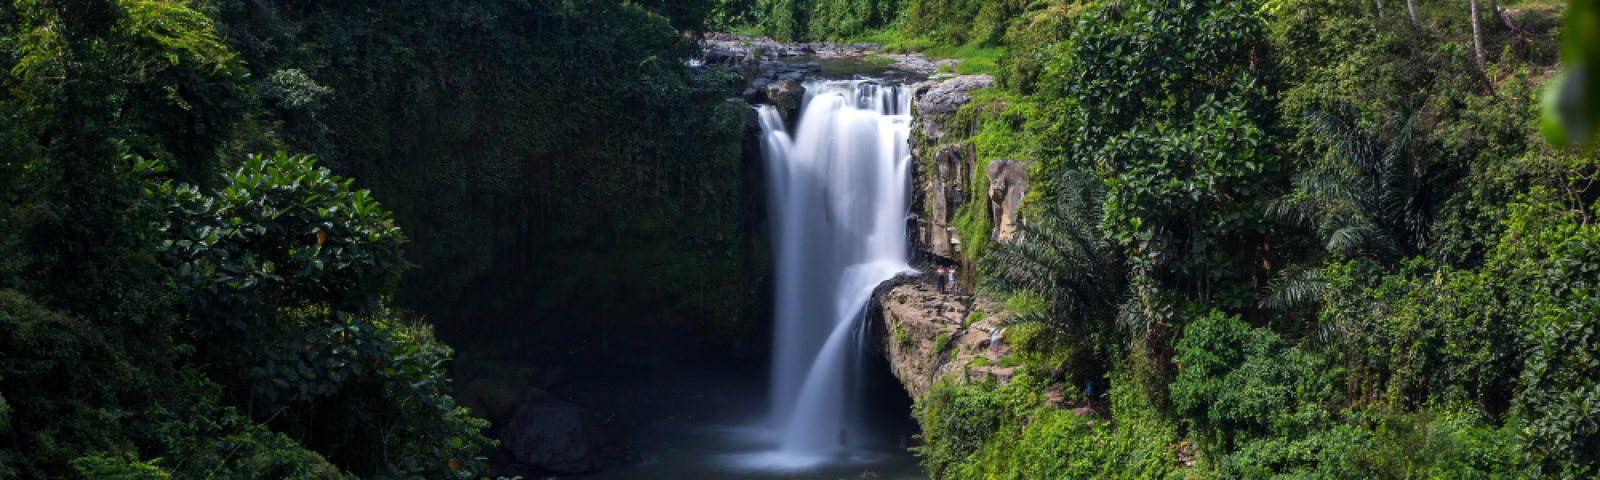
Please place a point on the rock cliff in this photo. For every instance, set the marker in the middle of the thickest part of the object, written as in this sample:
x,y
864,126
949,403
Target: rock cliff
x,y
944,162
929,335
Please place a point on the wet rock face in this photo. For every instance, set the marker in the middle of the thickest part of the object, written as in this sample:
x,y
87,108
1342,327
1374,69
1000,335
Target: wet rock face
x,y
562,437
1008,183
780,85
943,191
946,164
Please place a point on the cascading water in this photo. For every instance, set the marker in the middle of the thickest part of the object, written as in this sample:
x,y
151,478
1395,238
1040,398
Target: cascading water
x,y
838,199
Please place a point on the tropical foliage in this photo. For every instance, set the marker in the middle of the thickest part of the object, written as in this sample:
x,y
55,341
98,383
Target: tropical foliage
x,y
1304,238
180,295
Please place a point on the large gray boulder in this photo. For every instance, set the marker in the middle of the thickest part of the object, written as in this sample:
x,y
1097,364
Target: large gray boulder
x,y
937,99
562,437
1008,183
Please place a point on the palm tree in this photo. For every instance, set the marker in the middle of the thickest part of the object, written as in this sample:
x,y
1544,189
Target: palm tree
x,y
1370,196
1477,40
1061,257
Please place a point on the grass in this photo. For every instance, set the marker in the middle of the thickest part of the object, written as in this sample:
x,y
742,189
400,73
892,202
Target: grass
x,y
879,60
975,58
975,317
749,31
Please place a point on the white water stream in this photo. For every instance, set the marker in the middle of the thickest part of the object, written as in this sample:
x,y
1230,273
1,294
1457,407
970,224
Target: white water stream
x,y
838,199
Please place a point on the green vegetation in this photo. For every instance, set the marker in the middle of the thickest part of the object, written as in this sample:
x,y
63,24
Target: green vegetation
x,y
459,117
988,431
1301,238
974,317
1287,238
186,292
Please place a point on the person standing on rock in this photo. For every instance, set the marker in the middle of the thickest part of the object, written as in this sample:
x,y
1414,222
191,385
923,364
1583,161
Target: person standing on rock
x,y
939,279
951,283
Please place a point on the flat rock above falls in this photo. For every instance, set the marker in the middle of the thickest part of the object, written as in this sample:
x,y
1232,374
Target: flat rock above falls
x,y
732,50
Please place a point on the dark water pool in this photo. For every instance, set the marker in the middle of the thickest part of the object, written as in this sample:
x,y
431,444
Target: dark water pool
x,y
746,453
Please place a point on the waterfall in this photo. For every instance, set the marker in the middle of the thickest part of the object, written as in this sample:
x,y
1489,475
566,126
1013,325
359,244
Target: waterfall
x,y
838,198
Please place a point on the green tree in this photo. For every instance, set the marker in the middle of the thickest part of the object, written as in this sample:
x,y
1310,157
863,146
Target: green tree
x,y
1371,194
1170,104
283,271
101,98
1061,257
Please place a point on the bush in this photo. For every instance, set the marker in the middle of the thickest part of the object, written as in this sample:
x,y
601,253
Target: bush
x,y
1236,382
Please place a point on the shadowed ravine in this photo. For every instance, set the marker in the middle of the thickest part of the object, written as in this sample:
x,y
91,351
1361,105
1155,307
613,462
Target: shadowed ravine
x,y
838,199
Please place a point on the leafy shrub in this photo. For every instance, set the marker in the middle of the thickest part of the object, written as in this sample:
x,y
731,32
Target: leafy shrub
x,y
974,317
1180,135
283,270
1384,445
985,430
957,421
1236,382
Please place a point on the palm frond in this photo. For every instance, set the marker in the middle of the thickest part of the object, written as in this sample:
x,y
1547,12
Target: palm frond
x,y
1295,288
1370,195
1060,256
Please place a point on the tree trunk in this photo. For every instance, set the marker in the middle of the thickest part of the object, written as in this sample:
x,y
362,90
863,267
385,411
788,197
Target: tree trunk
x,y
1380,9
1477,38
1411,5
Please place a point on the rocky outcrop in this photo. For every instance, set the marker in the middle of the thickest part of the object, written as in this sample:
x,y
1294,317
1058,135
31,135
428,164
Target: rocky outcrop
x,y
780,85
562,437
943,189
727,47
737,50
918,63
1008,183
930,336
916,316
945,162
936,100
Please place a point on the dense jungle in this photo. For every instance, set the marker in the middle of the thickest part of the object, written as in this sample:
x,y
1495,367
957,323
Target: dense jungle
x,y
355,239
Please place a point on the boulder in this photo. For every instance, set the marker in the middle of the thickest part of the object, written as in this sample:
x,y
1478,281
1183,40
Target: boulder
x,y
1008,182
561,437
909,315
936,100
785,92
